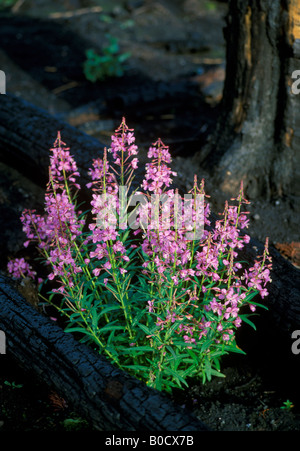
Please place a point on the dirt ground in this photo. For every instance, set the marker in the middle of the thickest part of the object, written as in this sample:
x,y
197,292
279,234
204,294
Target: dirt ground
x,y
175,42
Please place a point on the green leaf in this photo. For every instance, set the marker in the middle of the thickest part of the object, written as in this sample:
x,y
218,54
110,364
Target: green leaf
x,y
176,376
123,57
193,355
251,296
136,349
172,352
208,369
78,329
137,367
109,308
138,317
235,349
112,290
145,329
109,327
245,319
217,373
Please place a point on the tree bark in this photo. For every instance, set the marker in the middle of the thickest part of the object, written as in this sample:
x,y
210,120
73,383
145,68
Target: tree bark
x,y
109,398
257,137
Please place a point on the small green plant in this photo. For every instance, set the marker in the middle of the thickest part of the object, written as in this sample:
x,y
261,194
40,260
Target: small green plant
x,y
6,4
74,424
13,384
210,6
287,405
110,64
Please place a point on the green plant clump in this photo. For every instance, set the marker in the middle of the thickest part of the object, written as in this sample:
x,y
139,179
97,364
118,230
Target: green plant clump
x,y
135,276
110,64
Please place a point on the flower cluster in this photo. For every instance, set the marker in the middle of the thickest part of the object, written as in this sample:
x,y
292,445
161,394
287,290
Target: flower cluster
x,y
62,165
56,231
159,300
158,174
20,268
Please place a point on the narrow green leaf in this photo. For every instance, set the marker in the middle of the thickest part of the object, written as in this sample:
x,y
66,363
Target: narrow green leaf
x,y
136,349
246,319
217,373
78,329
176,376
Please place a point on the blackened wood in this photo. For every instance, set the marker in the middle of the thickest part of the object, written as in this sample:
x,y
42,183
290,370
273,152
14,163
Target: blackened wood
x,y
109,398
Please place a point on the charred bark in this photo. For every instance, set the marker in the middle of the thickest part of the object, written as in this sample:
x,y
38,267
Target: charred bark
x,y
257,135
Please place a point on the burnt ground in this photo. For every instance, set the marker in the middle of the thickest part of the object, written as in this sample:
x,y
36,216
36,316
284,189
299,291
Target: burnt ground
x,y
171,89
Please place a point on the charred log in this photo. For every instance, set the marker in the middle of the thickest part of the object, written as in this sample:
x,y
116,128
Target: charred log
x,y
109,398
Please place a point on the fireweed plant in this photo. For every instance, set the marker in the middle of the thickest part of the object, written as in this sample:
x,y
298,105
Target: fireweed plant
x,y
159,305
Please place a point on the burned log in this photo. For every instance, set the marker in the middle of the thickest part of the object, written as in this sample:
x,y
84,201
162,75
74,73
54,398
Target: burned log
x,y
108,397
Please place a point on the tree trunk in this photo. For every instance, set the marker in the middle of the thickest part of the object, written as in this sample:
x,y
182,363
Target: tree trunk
x,y
257,137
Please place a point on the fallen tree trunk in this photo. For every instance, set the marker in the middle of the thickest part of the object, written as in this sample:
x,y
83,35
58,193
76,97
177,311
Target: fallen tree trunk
x,y
103,394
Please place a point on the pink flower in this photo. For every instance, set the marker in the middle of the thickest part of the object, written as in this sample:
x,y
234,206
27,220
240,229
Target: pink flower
x,y
96,271
62,164
151,306
20,268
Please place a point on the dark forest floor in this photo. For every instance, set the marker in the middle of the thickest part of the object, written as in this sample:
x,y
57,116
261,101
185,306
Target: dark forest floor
x,y
175,42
